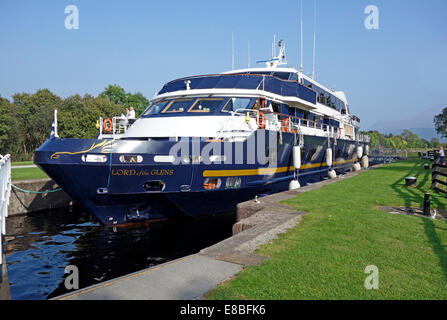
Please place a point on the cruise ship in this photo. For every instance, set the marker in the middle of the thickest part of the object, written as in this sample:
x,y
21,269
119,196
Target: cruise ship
x,y
208,142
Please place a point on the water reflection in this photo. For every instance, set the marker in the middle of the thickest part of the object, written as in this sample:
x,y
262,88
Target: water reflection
x,y
40,246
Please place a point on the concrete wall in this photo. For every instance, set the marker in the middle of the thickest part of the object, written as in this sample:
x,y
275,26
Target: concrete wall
x,y
4,284
22,203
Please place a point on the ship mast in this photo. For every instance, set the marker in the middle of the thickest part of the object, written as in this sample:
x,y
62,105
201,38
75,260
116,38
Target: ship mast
x,y
301,31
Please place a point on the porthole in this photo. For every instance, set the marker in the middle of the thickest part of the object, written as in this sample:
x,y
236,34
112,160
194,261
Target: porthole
x,y
94,158
154,186
164,159
233,183
212,184
131,159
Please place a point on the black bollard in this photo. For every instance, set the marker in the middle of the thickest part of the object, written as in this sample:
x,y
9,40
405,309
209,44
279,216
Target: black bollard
x,y
427,204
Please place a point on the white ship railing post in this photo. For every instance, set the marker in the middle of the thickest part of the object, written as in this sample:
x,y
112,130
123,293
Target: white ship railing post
x,y
101,125
5,191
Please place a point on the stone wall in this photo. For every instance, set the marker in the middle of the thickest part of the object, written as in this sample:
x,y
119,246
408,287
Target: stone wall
x,y
22,203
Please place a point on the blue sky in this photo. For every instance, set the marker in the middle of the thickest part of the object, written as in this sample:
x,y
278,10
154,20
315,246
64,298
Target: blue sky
x,y
396,72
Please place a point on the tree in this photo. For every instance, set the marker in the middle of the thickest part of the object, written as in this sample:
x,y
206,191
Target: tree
x,y
413,139
441,123
25,123
118,95
5,125
33,115
435,143
78,115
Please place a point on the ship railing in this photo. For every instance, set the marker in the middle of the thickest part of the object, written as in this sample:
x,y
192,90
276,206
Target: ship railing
x,y
290,123
5,192
363,138
119,127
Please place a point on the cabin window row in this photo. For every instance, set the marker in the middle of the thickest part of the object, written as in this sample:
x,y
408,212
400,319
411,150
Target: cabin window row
x,y
232,104
326,98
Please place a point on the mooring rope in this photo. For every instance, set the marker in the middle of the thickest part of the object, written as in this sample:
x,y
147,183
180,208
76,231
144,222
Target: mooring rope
x,y
35,192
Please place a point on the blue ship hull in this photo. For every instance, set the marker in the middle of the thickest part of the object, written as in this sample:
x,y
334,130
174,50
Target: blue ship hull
x,y
116,193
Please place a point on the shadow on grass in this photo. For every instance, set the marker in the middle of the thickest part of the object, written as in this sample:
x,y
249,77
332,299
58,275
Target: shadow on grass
x,y
436,244
407,194
415,194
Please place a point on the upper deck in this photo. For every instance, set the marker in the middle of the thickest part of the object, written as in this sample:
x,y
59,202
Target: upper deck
x,y
243,81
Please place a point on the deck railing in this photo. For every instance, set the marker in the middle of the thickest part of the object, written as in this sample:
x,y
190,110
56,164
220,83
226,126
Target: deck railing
x,y
292,124
5,192
118,127
439,176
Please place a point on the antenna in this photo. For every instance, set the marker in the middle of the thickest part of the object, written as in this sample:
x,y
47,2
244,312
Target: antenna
x,y
315,38
274,46
249,55
232,43
301,28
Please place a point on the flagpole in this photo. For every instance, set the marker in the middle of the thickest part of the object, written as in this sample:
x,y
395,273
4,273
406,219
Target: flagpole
x,y
55,124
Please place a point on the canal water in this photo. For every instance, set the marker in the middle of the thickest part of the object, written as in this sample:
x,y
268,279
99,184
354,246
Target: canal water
x,y
40,246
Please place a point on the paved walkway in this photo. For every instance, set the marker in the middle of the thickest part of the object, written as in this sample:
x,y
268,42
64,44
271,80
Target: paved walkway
x,y
24,167
185,279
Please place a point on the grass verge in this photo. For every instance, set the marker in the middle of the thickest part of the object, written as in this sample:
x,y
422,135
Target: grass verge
x,y
27,174
22,163
326,255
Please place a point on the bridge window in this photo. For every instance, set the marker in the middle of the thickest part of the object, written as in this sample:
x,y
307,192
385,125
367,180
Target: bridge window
x,y
321,98
234,104
260,73
178,106
155,108
206,105
282,75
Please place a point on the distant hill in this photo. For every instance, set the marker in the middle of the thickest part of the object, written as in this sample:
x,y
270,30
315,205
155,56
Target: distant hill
x,y
421,124
423,133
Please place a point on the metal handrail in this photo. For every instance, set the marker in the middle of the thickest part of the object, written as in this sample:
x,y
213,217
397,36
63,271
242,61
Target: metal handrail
x,y
117,126
301,122
5,192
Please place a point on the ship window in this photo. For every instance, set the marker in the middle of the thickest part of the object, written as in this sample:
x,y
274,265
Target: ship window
x,y
314,153
206,105
233,183
234,104
276,107
94,158
177,106
321,98
303,155
282,75
131,159
154,186
155,108
260,73
164,159
212,183
339,154
294,77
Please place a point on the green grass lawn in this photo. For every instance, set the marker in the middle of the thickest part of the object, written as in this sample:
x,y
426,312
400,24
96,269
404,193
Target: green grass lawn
x,y
27,174
22,163
325,256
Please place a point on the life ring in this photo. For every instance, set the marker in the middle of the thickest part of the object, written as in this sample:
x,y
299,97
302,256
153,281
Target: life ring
x,y
108,125
286,123
261,121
